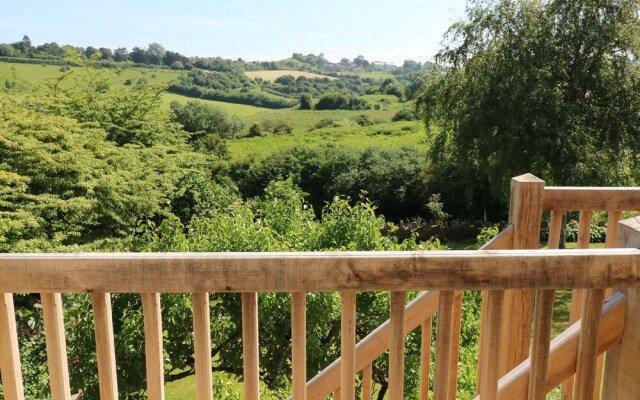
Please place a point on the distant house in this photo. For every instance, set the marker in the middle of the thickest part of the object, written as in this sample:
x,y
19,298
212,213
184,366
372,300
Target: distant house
x,y
383,66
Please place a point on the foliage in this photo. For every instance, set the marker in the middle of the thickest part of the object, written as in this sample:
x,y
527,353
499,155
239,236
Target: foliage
x,y
550,88
201,119
391,178
404,114
71,176
338,101
305,102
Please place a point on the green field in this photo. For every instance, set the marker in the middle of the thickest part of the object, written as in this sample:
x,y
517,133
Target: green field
x,y
30,76
387,134
383,132
273,75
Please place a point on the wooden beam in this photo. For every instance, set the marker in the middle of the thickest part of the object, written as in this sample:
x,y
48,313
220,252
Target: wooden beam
x,y
587,346
291,272
56,346
455,346
592,198
9,353
564,350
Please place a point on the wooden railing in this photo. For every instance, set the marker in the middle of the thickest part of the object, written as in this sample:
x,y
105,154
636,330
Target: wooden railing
x,y
508,369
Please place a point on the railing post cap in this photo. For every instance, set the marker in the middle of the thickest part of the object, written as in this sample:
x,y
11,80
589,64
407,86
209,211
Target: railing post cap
x,y
528,177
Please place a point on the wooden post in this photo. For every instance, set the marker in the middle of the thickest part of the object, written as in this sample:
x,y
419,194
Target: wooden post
x,y
9,354
250,346
525,213
56,346
153,345
621,373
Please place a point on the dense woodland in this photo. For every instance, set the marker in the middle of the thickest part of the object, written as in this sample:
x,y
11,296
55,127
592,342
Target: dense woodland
x,y
86,164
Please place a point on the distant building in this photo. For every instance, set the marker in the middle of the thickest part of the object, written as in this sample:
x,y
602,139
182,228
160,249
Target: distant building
x,y
383,66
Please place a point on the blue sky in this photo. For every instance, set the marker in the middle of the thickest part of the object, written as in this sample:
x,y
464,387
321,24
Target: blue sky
x,y
254,30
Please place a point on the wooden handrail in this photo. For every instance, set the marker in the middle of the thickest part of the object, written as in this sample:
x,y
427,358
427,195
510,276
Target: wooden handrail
x,y
294,272
561,198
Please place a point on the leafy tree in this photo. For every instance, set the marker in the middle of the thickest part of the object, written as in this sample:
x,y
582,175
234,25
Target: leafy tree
x,y
547,87
107,54
6,50
121,54
200,119
305,102
155,53
139,55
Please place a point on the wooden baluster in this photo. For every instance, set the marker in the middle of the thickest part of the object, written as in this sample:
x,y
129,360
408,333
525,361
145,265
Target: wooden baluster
x,y
587,351
577,295
366,382
425,358
541,341
455,347
612,231
555,228
299,345
202,345
56,346
153,345
348,346
396,347
443,344
490,366
483,330
250,346
9,354
103,321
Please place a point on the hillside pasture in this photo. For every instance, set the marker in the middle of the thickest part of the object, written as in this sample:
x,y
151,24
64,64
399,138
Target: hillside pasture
x,y
389,134
273,75
30,76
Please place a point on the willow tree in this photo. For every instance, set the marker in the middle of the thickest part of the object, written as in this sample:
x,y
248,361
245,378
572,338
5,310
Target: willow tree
x,y
549,87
